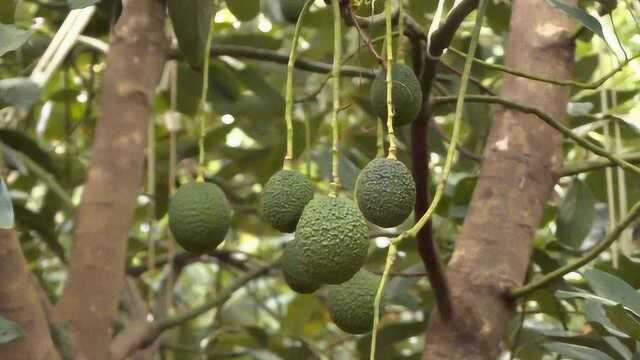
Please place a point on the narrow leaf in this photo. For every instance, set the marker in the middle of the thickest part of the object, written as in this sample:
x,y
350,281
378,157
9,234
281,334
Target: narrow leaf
x,y
22,92
613,288
576,352
9,330
6,208
576,215
79,4
12,38
581,16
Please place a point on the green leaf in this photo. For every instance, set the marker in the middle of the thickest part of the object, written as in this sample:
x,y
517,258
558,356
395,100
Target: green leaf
x,y
9,330
389,335
6,208
244,10
576,352
79,4
576,215
191,23
22,92
581,16
595,313
12,38
613,288
7,11
624,320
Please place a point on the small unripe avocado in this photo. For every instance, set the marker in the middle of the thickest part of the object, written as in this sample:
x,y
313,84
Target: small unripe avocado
x,y
406,93
351,304
291,9
283,198
385,192
199,216
293,272
333,239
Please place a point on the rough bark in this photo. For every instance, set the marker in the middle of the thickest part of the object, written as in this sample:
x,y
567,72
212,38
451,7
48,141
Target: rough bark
x,y
96,276
521,164
19,303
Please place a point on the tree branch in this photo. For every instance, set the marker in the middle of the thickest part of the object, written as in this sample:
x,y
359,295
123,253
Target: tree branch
x,y
585,259
140,334
135,62
547,119
442,37
581,167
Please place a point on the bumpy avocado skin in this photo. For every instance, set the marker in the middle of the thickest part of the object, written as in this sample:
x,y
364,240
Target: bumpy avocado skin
x,y
385,192
291,9
406,93
283,198
199,216
333,239
293,272
351,304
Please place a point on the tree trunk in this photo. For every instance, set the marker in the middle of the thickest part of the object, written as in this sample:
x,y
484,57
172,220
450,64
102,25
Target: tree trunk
x,y
19,303
521,163
96,277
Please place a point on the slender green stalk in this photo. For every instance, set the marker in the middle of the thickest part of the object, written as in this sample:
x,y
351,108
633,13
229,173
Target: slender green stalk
x,y
393,149
391,258
547,119
380,138
307,146
591,85
335,74
585,259
457,122
288,112
412,233
203,102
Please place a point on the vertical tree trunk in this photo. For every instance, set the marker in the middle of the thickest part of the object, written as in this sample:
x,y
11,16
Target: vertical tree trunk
x,y
19,303
521,163
134,65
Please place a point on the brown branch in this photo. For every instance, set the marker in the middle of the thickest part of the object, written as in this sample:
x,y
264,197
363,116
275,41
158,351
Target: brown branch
x,y
442,37
365,37
97,266
141,334
19,302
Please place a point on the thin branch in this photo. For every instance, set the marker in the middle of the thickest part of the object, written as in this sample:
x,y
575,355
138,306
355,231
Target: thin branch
x,y
577,168
365,37
547,119
413,29
248,52
591,85
585,259
475,81
141,334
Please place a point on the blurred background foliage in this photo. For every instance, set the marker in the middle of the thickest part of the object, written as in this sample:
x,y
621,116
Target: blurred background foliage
x,y
590,316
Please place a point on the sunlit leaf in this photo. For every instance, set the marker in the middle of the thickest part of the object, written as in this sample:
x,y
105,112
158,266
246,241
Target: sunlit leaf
x,y
9,330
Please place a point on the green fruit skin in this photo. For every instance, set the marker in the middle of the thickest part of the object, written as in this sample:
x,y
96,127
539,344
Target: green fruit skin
x,y
351,304
406,93
293,272
333,239
385,192
283,198
199,216
291,9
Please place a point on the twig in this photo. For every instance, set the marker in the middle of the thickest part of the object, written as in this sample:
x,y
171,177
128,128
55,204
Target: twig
x,y
585,259
574,169
365,37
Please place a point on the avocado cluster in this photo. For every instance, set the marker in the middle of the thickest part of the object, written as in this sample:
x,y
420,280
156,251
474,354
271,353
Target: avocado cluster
x,y
406,94
283,198
293,271
199,216
351,303
332,236
291,9
385,192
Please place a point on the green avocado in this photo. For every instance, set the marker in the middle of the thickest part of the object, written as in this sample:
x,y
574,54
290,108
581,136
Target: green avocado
x,y
291,9
199,216
293,272
333,238
283,198
406,93
351,304
385,192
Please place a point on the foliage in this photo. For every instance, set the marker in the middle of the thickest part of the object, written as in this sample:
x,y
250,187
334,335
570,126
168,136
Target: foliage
x,y
593,313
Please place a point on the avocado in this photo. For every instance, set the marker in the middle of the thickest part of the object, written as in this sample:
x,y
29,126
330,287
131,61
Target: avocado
x,y
333,239
406,93
283,198
385,192
199,216
293,272
351,304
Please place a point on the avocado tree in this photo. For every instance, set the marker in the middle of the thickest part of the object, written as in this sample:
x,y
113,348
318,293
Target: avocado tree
x,y
309,179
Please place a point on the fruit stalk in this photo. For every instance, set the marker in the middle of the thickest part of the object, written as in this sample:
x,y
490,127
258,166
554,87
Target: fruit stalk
x,y
203,103
288,112
335,74
389,41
